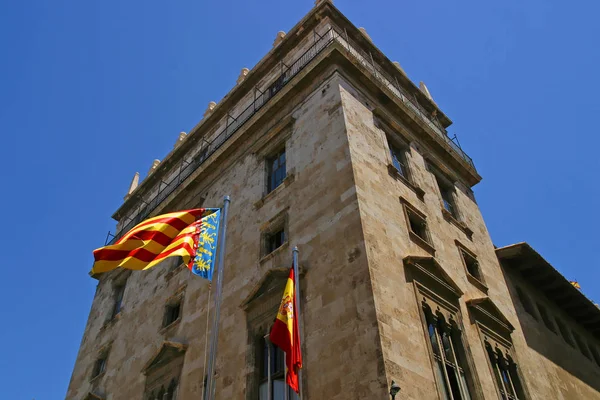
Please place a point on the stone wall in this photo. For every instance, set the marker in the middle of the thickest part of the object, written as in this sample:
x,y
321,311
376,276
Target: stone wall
x,y
557,370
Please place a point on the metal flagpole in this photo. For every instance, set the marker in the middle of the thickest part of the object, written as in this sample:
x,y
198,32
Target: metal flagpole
x,y
214,334
297,292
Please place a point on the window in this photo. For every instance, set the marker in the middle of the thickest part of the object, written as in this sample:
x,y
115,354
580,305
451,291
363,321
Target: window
x,y
119,291
447,192
417,224
399,160
163,393
526,302
163,372
99,366
448,354
471,264
276,172
546,318
564,332
272,363
584,350
505,371
275,240
172,312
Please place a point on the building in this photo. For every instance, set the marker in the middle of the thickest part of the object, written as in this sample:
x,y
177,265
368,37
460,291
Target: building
x,y
326,144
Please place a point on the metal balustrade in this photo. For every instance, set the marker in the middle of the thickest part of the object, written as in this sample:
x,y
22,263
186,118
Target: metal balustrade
x,y
187,167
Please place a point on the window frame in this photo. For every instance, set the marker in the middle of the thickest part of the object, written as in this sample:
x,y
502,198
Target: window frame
x,y
506,364
118,295
479,279
277,361
278,223
447,193
409,210
173,302
458,344
399,158
100,362
272,182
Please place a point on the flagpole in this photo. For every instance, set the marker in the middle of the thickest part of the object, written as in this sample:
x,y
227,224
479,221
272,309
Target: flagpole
x,y
214,334
298,318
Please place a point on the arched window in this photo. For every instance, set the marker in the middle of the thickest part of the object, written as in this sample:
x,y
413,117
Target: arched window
x,y
447,350
163,372
505,372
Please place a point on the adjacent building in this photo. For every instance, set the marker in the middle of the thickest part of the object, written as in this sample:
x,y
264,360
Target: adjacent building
x,y
326,144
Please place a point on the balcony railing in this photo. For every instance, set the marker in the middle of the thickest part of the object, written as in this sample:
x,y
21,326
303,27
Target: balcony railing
x,y
186,168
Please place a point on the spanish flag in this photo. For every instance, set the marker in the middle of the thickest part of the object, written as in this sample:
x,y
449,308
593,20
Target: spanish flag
x,y
170,235
285,333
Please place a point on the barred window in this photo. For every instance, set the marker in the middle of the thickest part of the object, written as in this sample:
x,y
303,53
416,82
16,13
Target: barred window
x,y
448,354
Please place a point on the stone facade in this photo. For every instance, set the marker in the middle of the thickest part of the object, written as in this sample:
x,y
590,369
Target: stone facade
x,y
367,271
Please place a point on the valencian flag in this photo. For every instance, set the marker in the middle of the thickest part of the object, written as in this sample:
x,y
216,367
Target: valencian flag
x,y
190,234
285,333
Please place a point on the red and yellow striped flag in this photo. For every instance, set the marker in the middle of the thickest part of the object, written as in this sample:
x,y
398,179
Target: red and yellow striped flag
x,y
153,240
285,334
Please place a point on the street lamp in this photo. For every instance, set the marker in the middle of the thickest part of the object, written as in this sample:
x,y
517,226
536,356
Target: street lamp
x,y
394,389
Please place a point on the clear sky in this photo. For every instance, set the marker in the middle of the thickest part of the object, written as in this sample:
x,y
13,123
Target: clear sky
x,y
91,92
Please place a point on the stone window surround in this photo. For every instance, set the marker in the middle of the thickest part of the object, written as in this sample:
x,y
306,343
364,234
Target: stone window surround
x,y
102,353
164,367
392,137
446,178
118,280
260,307
452,312
280,220
177,297
477,282
425,243
488,335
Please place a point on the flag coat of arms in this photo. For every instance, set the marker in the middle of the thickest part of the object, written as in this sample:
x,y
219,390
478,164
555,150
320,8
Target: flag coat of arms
x,y
191,235
286,335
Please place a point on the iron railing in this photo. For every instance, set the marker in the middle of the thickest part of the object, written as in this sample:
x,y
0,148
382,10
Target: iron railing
x,y
410,100
234,123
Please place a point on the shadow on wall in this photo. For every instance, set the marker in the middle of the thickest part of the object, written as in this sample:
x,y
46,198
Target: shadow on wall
x,y
551,345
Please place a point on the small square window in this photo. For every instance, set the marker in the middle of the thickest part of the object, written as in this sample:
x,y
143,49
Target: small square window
x,y
526,303
417,224
564,332
172,312
275,240
276,171
546,318
99,366
472,265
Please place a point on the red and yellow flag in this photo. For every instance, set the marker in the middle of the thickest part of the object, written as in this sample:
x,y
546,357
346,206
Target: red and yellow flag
x,y
153,240
285,333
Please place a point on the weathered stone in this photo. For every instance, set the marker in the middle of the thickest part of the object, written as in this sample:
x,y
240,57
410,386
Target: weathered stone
x,y
363,270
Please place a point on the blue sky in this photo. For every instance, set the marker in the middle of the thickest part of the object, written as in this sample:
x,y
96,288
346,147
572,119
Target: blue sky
x,y
91,92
